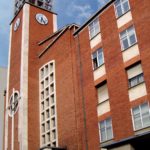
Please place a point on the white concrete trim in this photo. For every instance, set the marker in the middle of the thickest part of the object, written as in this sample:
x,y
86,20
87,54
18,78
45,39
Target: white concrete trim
x,y
121,21
99,72
137,92
12,128
96,40
51,71
23,114
54,22
7,95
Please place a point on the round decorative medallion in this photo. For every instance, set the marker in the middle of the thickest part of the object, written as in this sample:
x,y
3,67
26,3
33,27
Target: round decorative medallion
x,y
42,19
13,103
16,25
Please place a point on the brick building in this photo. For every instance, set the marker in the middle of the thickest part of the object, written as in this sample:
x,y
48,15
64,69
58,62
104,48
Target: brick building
x,y
79,88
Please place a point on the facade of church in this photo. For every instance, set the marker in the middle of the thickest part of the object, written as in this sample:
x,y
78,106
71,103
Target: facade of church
x,y
79,88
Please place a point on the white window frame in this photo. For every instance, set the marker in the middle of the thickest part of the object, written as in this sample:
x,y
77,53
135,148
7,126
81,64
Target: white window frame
x,y
107,139
100,50
140,116
94,25
121,4
127,37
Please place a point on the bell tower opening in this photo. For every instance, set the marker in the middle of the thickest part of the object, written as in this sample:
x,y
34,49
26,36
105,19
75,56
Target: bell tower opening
x,y
44,4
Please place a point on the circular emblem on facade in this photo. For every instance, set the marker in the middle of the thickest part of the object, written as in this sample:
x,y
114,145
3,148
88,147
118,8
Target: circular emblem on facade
x,y
42,19
13,103
17,23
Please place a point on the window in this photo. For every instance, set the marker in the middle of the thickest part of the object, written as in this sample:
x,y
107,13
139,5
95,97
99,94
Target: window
x,y
141,116
136,80
135,75
94,28
128,38
102,92
122,6
98,58
106,132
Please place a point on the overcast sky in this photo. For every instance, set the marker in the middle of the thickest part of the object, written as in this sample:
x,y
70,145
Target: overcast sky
x,y
69,11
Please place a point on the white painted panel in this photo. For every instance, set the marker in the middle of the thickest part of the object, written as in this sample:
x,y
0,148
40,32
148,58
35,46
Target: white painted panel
x,y
99,72
102,93
54,22
124,19
130,53
103,108
7,94
23,109
137,92
96,40
134,71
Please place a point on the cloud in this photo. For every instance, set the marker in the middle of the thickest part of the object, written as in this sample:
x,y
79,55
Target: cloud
x,y
101,3
76,11
80,12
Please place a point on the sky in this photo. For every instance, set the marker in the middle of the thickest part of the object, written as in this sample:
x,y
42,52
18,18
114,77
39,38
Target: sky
x,y
69,11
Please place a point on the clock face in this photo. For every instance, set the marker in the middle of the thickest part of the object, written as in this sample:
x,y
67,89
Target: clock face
x,y
13,103
17,23
42,19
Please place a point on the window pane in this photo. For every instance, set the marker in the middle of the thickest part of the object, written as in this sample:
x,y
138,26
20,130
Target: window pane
x,y
92,33
137,121
125,44
109,129
136,110
94,28
103,135
141,78
126,6
102,124
123,34
145,115
100,57
137,118
117,2
144,108
133,82
102,131
132,39
119,11
95,63
94,55
146,119
109,133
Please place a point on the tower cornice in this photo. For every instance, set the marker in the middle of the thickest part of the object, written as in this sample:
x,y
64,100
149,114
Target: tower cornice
x,y
26,2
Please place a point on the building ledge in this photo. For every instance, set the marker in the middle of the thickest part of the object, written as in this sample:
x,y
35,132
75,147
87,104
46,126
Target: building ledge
x,y
134,140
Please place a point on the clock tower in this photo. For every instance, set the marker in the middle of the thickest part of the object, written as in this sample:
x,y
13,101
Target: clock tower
x,y
33,21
